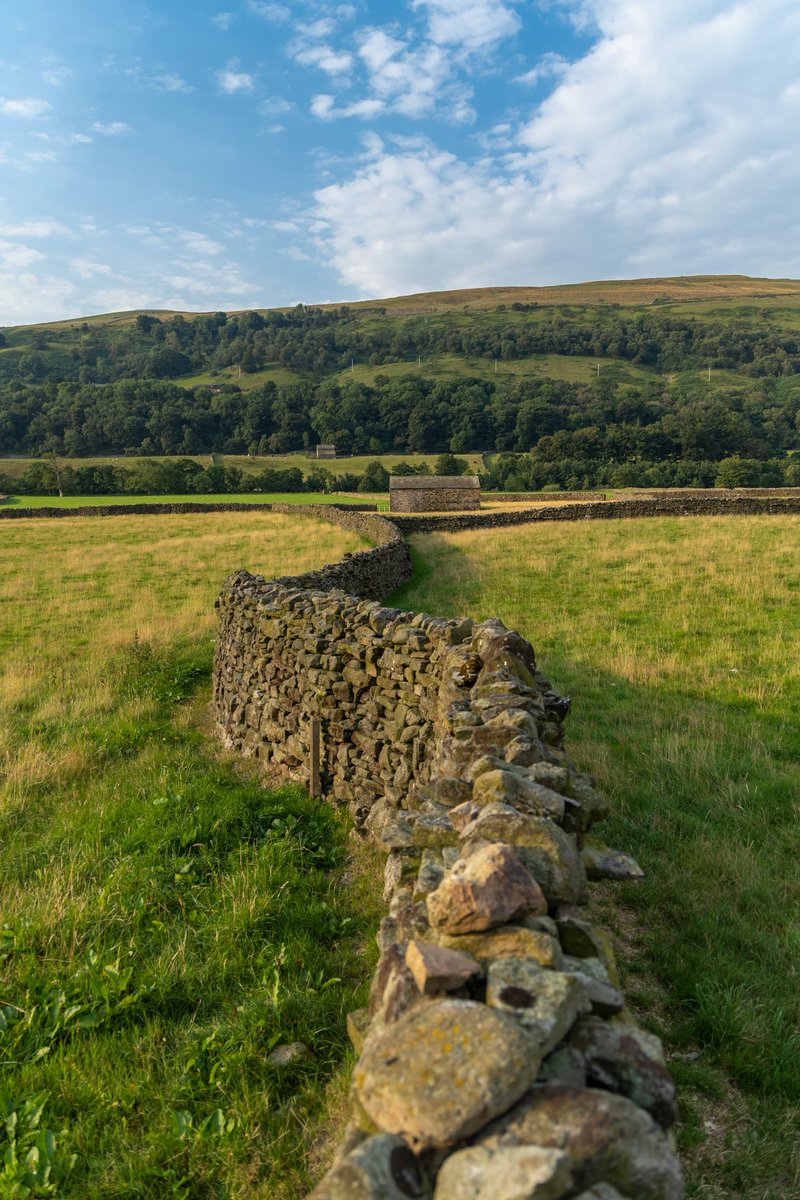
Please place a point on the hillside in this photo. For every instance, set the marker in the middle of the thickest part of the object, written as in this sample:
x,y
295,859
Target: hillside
x,y
600,376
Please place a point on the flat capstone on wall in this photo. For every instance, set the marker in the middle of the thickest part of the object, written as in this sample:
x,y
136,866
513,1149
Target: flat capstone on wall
x,y
434,493
497,1057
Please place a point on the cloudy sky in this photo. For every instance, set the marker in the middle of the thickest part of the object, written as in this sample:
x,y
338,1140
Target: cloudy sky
x,y
192,155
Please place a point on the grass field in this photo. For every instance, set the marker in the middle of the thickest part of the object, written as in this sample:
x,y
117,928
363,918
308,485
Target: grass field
x,y
574,368
253,464
680,643
220,498
245,380
166,922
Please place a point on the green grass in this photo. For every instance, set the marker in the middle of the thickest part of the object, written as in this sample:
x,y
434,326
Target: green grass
x,y
216,498
570,368
166,921
680,642
251,464
246,381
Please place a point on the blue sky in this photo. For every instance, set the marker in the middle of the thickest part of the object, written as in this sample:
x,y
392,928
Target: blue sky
x,y
202,156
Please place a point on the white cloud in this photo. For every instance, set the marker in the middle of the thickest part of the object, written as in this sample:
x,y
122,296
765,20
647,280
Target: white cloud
x,y
26,297
111,128
223,20
412,73
34,229
670,147
269,12
27,106
193,278
324,107
471,24
549,66
311,49
274,106
171,81
324,57
40,156
13,254
200,243
55,74
88,268
231,80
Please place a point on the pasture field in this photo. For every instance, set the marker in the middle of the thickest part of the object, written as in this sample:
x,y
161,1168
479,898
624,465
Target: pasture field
x,y
166,922
679,640
187,498
573,368
253,464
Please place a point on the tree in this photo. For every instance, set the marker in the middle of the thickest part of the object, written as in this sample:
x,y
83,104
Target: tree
x,y
448,464
375,478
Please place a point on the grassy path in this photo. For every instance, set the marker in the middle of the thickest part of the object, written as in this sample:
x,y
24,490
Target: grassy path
x,y
166,923
680,643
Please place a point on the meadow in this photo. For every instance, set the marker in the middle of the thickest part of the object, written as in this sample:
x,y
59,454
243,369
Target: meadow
x,y
252,464
679,640
167,922
200,498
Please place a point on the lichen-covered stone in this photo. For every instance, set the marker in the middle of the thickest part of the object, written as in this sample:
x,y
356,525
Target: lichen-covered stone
x,y
547,1003
511,787
605,998
357,1025
516,941
444,1070
393,990
512,1173
380,1168
584,939
625,1059
607,1139
603,862
485,889
549,853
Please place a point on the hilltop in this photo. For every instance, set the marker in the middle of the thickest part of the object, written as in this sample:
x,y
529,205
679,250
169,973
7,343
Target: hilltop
x,y
676,290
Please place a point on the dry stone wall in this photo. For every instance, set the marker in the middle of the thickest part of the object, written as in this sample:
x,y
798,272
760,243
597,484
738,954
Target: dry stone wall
x,y
544,497
706,504
497,1058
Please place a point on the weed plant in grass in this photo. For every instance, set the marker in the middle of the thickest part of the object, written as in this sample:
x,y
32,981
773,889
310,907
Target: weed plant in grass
x,y
166,921
679,640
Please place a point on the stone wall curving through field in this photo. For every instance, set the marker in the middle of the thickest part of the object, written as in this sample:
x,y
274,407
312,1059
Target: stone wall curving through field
x,y
497,1057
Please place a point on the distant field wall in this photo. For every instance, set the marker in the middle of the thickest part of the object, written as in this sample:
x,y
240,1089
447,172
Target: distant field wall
x,y
496,1049
685,504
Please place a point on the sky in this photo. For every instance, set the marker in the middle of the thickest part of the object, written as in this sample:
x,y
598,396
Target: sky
x,y
193,155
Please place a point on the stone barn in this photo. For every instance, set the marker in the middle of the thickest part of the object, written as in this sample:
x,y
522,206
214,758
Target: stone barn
x,y
434,493
326,450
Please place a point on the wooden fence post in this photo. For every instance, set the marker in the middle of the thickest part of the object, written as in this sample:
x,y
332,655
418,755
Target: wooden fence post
x,y
314,785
